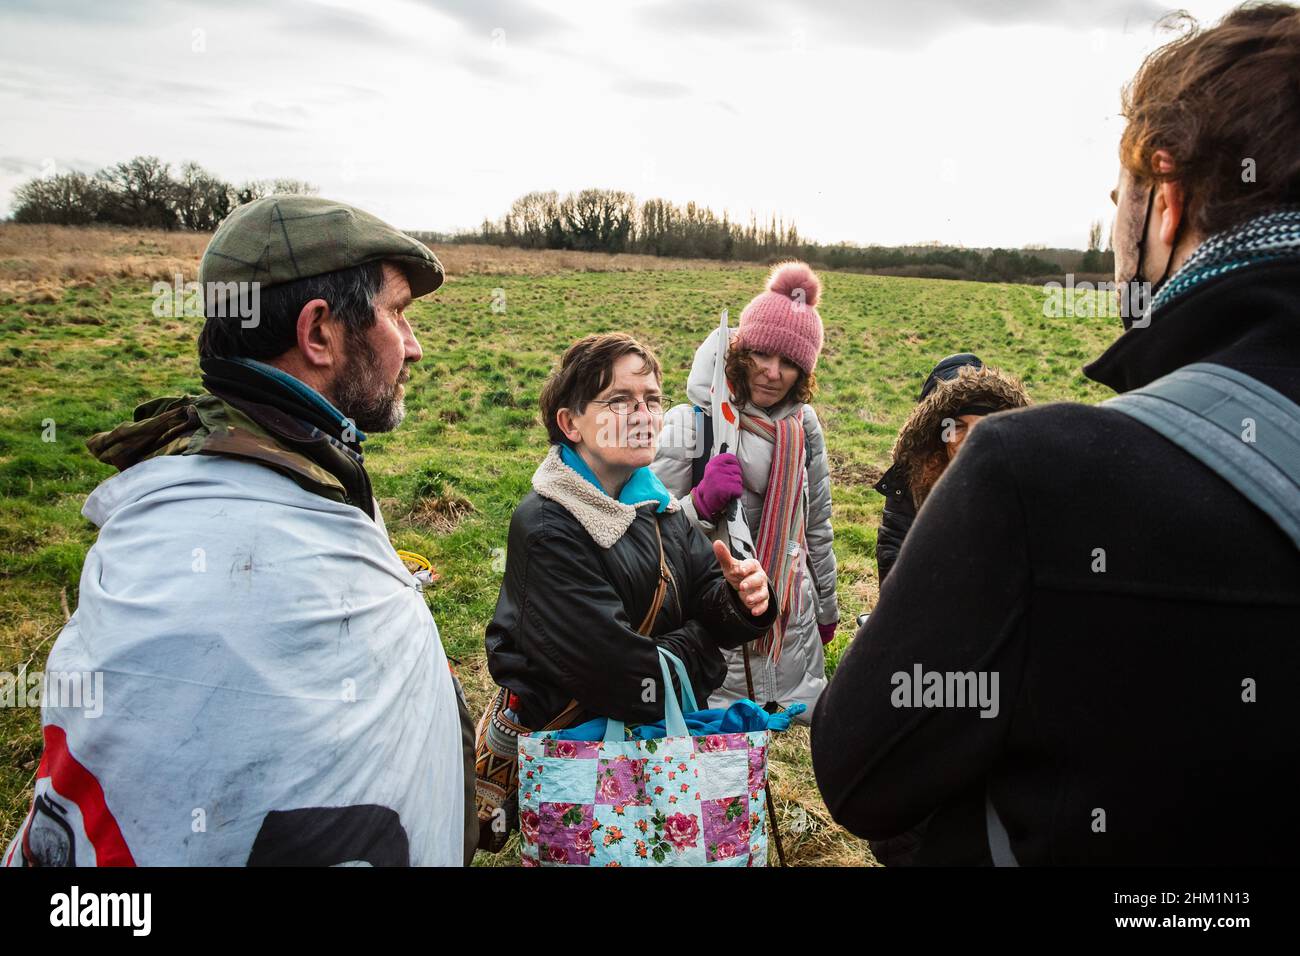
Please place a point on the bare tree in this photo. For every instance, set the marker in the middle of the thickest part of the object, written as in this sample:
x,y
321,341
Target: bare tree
x,y
597,219
533,220
296,187
252,189
139,192
68,199
202,200
1092,258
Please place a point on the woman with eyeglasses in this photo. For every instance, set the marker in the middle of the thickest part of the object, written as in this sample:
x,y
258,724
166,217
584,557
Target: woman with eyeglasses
x,y
603,567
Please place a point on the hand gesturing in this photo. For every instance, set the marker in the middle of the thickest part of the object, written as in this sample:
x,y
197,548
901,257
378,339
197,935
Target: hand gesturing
x,y
747,577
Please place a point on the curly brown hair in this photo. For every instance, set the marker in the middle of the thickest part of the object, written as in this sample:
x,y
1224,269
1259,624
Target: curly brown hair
x,y
921,446
740,361
1215,99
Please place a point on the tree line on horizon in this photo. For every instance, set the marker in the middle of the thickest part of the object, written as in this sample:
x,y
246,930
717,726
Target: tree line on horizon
x,y
613,221
142,192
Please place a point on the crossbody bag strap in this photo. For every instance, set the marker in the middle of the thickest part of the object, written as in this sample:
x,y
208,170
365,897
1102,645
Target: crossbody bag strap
x,y
665,575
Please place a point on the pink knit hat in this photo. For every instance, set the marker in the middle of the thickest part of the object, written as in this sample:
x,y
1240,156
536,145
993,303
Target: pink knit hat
x,y
784,320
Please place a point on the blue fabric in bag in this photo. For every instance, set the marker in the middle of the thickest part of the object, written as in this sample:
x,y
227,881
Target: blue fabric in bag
x,y
741,717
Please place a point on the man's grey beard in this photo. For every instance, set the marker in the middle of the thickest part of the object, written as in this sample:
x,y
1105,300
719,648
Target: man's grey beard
x,y
363,396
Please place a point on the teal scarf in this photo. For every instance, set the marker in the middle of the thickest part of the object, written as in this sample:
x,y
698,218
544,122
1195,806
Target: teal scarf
x,y
644,485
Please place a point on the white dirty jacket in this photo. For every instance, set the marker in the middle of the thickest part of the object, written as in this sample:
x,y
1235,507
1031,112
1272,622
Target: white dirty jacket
x,y
801,674
274,689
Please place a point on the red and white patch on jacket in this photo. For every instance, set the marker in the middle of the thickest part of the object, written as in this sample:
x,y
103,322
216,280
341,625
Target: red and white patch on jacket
x,y
69,823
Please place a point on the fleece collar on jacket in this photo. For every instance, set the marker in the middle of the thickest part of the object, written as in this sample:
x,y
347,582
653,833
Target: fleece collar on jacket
x,y
601,516
644,485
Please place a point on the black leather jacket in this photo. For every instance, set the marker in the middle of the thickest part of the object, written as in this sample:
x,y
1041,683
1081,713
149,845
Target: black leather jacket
x,y
566,618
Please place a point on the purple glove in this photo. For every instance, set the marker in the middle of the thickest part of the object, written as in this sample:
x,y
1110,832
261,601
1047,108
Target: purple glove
x,y
719,487
827,632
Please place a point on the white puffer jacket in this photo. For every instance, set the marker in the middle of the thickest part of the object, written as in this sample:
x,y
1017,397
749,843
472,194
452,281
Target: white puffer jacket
x,y
801,674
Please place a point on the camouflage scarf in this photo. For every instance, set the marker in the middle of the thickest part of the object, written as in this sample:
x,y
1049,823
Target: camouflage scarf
x,y
252,414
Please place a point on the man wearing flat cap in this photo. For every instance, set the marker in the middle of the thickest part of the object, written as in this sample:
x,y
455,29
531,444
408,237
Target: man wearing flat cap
x,y
264,683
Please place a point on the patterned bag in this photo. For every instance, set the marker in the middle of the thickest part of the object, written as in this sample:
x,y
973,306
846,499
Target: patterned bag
x,y
676,800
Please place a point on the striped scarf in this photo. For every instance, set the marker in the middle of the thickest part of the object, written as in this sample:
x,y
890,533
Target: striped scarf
x,y
1264,238
780,539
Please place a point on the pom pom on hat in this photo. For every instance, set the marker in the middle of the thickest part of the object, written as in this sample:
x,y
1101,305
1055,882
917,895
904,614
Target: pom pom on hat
x,y
786,277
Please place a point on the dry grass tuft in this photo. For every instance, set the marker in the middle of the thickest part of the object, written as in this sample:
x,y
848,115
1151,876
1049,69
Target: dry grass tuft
x,y
441,512
849,472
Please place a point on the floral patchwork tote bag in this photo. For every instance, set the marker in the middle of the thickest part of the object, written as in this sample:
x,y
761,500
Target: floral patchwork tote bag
x,y
684,793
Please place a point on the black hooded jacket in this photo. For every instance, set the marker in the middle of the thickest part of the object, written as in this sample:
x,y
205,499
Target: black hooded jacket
x,y
899,511
896,519
1140,614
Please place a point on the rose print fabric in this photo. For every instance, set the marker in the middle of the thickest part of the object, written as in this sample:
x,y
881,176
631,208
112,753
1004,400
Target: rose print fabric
x,y
673,801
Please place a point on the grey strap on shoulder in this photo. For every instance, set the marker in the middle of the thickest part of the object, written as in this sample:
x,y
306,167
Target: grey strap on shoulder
x,y
999,840
1238,427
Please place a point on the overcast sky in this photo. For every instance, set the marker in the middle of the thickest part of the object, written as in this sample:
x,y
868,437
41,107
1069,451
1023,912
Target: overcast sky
x,y
976,122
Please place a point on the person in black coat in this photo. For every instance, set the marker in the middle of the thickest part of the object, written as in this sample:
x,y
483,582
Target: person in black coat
x,y
900,511
1127,618
583,558
957,395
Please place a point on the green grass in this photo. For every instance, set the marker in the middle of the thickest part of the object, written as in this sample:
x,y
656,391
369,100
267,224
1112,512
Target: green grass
x,y
451,475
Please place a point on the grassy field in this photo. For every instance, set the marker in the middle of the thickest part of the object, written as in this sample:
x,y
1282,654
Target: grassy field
x,y
81,348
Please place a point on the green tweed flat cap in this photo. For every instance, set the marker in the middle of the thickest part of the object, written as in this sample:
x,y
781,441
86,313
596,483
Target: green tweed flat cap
x,y
279,239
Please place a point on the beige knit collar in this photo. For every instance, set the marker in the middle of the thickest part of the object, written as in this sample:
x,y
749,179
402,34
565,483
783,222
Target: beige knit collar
x,y
603,517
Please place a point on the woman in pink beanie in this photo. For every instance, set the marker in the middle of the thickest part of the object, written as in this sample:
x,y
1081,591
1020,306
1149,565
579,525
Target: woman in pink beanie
x,y
781,475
